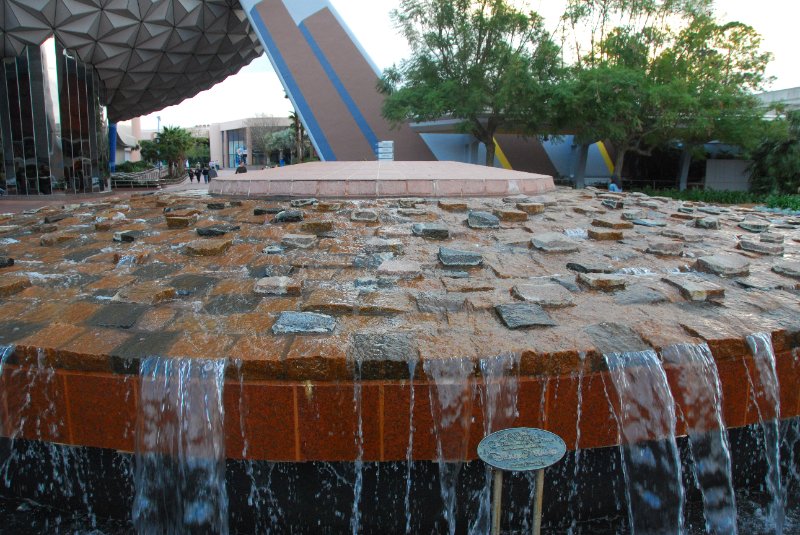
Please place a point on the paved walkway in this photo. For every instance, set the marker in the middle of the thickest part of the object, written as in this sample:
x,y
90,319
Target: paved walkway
x,y
19,203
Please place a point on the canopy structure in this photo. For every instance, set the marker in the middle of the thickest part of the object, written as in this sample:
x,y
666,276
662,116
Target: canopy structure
x,y
148,54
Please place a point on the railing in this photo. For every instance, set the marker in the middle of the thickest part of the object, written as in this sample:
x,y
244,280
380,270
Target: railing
x,y
152,178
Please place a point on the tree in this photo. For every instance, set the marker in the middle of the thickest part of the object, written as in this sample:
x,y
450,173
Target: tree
x,y
281,141
714,69
299,136
776,160
173,143
199,151
659,72
149,151
482,62
261,128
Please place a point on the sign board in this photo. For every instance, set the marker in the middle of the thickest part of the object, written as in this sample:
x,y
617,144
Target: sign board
x,y
385,150
521,449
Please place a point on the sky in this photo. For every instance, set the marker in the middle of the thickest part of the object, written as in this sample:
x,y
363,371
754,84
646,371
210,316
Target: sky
x,y
256,90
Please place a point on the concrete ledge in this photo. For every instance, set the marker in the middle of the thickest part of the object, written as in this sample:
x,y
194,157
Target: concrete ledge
x,y
382,179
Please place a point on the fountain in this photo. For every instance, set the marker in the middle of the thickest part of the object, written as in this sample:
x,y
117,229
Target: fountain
x,y
342,380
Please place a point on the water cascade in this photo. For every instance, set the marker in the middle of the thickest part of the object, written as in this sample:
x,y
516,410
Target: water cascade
x,y
180,448
451,394
358,484
573,488
766,395
700,398
499,403
650,460
412,367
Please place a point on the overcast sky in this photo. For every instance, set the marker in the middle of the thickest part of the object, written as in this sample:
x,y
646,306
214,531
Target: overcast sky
x,y
257,90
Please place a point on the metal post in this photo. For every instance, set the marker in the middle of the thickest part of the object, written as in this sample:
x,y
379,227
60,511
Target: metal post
x,y
497,501
537,508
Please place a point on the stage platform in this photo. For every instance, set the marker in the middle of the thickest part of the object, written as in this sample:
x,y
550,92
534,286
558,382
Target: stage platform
x,y
382,179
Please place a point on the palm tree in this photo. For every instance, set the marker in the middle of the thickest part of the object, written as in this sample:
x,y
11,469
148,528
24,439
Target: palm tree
x,y
299,134
173,143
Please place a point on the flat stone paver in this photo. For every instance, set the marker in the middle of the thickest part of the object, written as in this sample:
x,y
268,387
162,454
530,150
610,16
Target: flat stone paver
x,y
724,265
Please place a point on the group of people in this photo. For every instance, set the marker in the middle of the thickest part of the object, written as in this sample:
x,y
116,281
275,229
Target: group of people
x,y
200,173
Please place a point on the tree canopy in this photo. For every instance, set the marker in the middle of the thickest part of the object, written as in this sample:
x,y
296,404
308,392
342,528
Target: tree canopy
x,y
173,143
659,72
482,62
776,161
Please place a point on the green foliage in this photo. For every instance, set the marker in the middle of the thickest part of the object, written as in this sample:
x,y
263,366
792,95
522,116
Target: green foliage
x,y
149,151
173,143
791,202
133,167
657,73
199,152
776,161
482,62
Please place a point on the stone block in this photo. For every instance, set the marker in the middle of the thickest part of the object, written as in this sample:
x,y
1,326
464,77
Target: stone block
x,y
13,285
56,238
208,247
707,223
511,216
605,234
724,265
554,242
696,289
316,227
431,231
524,315
364,216
789,269
404,269
603,282
380,245
665,248
755,226
178,222
303,323
483,220
531,208
545,295
453,206
761,247
289,216
283,286
610,223
299,241
455,258
216,231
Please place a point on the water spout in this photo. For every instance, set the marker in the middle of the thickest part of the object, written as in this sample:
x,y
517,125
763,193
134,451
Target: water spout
x,y
766,394
700,396
451,396
180,448
650,460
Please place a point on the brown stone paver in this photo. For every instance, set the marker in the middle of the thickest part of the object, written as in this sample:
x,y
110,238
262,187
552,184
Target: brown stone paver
x,y
94,306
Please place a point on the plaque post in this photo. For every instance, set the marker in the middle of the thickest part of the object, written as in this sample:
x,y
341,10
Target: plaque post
x,y
520,449
497,500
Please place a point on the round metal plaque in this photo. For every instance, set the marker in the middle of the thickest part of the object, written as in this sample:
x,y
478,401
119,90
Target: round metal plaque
x,y
521,449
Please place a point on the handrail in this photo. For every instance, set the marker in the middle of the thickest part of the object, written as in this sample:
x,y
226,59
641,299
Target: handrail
x,y
151,178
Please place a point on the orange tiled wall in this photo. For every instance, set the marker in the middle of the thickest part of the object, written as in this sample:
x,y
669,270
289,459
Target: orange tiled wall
x,y
299,421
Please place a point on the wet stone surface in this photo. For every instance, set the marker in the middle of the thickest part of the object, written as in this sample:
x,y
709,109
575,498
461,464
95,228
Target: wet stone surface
x,y
115,302
432,231
303,323
483,220
456,258
524,315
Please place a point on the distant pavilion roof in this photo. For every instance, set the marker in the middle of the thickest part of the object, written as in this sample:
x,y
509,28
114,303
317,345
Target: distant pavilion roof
x,y
149,54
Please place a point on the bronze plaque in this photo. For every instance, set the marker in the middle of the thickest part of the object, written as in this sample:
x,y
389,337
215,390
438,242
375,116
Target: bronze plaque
x,y
521,449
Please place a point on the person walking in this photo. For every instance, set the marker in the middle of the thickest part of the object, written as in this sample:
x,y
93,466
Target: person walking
x,y
205,174
191,174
